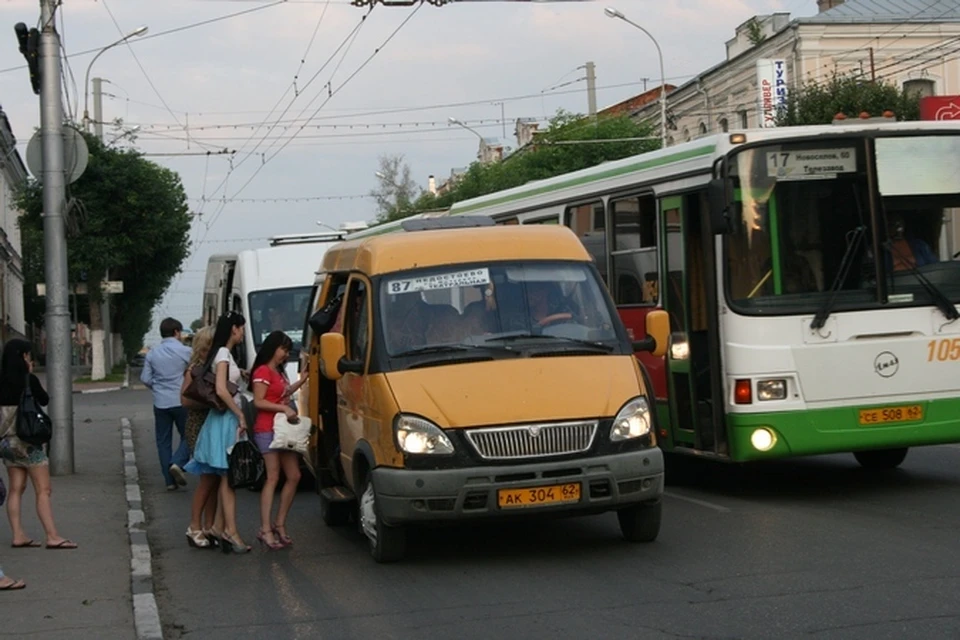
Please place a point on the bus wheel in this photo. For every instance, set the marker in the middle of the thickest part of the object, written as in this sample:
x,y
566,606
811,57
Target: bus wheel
x,y
387,544
641,522
881,458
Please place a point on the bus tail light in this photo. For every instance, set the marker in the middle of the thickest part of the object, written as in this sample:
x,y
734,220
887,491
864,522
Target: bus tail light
x,y
771,390
742,393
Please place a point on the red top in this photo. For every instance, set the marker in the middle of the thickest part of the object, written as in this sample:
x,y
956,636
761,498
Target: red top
x,y
276,383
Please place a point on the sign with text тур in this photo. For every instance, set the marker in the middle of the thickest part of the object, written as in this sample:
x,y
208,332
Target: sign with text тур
x,y
772,88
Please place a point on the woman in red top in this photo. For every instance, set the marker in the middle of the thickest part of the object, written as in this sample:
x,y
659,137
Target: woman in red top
x,y
271,395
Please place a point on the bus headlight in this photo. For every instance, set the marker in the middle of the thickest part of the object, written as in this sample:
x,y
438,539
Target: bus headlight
x,y
419,436
763,439
771,389
633,421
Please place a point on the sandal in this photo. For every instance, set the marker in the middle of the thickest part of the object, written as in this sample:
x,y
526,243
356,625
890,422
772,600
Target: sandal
x,y
283,537
14,585
273,545
63,544
25,545
196,539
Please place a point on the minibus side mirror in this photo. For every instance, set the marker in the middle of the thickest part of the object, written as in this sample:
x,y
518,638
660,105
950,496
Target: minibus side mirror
x,y
719,206
333,357
658,333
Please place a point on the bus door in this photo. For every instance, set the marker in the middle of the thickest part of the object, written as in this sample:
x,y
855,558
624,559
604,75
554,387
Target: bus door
x,y
690,298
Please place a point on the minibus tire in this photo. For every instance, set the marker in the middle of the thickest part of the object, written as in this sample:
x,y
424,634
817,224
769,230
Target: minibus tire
x,y
641,522
391,542
335,514
881,459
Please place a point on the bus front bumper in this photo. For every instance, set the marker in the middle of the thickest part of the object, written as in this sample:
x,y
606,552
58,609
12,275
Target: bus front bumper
x,y
605,483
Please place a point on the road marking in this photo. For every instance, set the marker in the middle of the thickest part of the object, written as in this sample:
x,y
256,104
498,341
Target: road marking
x,y
702,503
146,617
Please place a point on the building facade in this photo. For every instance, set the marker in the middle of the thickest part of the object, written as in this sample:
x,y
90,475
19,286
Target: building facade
x,y
914,44
13,173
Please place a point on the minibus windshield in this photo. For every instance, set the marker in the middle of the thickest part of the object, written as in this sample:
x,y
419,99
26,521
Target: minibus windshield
x,y
279,310
545,306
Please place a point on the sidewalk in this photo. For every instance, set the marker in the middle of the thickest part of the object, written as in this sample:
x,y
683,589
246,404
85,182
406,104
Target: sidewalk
x,y
82,592
88,387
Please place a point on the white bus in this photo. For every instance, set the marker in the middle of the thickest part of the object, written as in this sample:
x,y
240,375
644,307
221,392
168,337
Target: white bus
x,y
809,276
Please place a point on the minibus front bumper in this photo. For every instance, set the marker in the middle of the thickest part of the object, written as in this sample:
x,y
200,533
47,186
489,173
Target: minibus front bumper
x,y
605,483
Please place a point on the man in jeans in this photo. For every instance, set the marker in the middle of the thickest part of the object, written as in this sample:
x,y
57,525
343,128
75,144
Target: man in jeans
x,y
162,373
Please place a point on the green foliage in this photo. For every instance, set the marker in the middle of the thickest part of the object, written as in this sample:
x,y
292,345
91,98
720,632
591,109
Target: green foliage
x,y
755,31
818,103
132,220
544,158
396,190
196,325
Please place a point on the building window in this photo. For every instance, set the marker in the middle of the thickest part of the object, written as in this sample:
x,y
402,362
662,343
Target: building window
x,y
724,125
743,119
703,129
634,255
686,134
921,87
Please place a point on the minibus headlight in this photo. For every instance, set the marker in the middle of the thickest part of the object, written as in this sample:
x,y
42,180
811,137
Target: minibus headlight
x,y
419,436
633,421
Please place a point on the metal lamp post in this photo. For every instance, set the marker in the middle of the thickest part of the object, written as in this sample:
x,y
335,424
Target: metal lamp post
x,y
483,143
139,31
615,13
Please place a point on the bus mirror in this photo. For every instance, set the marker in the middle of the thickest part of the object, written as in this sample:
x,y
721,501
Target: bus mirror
x,y
333,349
719,205
658,333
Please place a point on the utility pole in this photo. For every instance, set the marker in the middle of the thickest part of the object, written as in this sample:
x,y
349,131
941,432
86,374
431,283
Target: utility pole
x,y
105,321
58,365
873,68
591,89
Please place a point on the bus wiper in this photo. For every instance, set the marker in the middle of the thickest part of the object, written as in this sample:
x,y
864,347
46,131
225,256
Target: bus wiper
x,y
441,348
943,303
523,336
845,263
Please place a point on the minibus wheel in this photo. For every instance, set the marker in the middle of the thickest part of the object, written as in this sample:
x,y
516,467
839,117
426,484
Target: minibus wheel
x,y
387,544
879,459
641,522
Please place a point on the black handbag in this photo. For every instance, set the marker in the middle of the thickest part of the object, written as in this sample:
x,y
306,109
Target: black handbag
x,y
33,425
245,465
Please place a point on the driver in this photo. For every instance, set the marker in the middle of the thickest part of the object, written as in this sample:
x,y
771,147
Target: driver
x,y
906,251
542,299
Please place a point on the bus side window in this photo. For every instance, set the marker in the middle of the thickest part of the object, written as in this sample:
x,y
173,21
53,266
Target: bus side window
x,y
587,221
355,319
635,267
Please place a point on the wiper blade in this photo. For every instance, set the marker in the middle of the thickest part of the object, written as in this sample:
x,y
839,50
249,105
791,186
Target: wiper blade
x,y
845,263
943,303
436,348
523,336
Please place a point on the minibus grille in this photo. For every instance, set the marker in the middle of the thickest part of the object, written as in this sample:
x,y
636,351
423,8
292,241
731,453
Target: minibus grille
x,y
532,440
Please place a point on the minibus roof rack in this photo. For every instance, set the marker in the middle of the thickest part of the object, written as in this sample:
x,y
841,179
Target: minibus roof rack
x,y
458,222
304,238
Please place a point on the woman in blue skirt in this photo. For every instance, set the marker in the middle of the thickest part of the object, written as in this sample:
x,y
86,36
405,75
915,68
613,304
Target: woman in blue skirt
x,y
222,429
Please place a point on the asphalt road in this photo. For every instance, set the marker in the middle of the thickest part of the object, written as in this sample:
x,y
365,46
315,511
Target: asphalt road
x,y
816,548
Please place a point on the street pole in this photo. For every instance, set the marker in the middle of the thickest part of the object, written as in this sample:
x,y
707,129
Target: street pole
x,y
58,362
614,13
105,304
591,89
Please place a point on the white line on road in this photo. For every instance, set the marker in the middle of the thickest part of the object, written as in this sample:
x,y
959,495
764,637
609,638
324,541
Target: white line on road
x,y
702,503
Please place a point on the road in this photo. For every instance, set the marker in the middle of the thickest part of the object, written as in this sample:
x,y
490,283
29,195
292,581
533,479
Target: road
x,y
814,548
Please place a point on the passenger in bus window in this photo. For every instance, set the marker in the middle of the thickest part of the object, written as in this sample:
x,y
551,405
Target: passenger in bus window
x,y
905,250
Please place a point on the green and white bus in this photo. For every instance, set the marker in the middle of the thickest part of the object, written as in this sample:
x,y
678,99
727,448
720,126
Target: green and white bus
x,y
808,273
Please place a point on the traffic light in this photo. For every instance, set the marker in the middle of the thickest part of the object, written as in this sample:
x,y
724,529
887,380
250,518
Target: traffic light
x,y
29,40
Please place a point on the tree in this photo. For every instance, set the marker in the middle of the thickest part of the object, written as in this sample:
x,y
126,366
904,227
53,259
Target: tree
x,y
548,156
196,325
819,103
127,218
396,189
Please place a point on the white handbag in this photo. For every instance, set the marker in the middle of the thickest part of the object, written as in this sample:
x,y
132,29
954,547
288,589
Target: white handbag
x,y
288,436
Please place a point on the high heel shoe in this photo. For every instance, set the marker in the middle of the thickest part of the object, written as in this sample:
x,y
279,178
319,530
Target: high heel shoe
x,y
196,539
213,537
282,537
273,545
228,544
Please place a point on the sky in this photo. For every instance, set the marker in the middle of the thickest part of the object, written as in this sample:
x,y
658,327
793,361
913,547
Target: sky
x,y
307,94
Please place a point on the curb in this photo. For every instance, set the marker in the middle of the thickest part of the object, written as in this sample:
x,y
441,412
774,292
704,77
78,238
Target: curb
x,y
86,391
146,616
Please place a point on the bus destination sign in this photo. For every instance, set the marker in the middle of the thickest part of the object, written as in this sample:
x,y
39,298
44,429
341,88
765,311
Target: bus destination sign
x,y
810,164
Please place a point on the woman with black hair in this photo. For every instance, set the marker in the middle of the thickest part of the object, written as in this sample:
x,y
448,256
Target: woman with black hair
x,y
24,460
220,431
271,395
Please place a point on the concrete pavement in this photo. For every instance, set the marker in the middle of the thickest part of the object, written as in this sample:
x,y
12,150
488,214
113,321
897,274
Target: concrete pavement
x,y
82,592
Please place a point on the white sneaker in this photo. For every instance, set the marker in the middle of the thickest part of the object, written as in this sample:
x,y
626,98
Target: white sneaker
x,y
178,475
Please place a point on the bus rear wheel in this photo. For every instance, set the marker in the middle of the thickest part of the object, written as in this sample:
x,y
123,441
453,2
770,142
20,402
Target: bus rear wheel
x,y
881,458
641,522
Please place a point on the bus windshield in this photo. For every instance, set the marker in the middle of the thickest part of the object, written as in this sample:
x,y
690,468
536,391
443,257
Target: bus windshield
x,y
542,306
803,231
279,310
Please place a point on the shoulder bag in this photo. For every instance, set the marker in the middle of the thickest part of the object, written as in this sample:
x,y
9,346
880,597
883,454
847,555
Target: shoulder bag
x,y
203,388
33,425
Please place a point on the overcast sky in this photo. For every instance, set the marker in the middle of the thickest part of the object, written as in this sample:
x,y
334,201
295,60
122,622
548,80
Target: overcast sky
x,y
215,85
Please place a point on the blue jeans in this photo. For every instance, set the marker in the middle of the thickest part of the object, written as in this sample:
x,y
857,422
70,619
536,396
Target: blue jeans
x,y
165,419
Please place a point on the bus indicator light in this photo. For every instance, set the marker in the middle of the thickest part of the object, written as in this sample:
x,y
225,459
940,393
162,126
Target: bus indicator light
x,y
742,393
